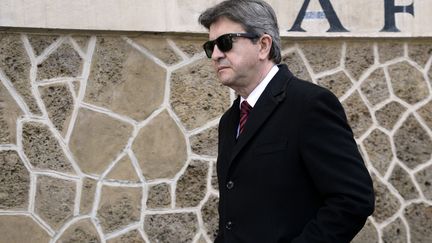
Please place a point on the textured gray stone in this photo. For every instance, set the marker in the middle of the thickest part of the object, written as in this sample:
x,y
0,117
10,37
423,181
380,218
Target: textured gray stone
x,y
206,142
191,46
124,80
87,195
196,95
81,231
58,101
15,63
42,148
426,113
386,204
390,50
214,179
124,171
192,185
14,181
63,62
129,237
358,114
119,207
424,179
389,115
14,228
395,232
296,65
159,196
55,200
401,180
338,83
82,41
160,148
159,47
378,148
375,87
210,216
413,145
171,227
419,217
9,113
322,55
368,234
408,82
420,52
40,42
359,57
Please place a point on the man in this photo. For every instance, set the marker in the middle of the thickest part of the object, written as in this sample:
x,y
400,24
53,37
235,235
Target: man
x,y
288,167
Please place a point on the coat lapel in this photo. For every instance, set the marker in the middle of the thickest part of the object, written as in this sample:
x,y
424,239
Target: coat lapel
x,y
266,104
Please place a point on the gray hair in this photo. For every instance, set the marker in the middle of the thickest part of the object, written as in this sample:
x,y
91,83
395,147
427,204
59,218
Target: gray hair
x,y
256,17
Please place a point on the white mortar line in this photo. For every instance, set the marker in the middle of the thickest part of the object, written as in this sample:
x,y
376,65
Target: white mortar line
x,y
109,113
146,52
53,81
76,47
177,50
121,231
43,224
48,51
14,94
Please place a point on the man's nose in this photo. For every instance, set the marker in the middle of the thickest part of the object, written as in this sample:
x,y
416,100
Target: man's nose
x,y
217,54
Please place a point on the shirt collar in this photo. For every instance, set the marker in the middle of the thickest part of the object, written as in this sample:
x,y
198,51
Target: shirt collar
x,y
256,93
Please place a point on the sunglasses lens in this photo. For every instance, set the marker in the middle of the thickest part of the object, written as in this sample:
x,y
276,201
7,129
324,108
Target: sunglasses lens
x,y
224,43
208,48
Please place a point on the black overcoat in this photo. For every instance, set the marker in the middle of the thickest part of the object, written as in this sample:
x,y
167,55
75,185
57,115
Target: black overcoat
x,y
295,173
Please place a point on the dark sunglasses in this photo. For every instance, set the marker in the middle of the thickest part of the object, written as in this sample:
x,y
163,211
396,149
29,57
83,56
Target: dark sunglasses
x,y
224,42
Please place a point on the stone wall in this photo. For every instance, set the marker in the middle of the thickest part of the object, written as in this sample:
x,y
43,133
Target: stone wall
x,y
108,137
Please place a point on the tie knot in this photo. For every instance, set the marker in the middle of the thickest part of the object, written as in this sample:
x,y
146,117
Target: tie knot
x,y
245,107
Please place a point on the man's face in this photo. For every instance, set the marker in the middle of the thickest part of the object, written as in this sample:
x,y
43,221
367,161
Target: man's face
x,y
235,68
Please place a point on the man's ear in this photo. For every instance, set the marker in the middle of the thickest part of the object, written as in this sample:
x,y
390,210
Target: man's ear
x,y
265,44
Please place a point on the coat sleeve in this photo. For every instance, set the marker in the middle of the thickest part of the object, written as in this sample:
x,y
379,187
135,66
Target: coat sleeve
x,y
332,159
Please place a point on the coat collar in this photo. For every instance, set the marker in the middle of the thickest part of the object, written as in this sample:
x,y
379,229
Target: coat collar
x,y
274,93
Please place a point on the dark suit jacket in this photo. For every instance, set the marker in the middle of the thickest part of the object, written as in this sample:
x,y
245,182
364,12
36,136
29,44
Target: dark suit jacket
x,y
295,173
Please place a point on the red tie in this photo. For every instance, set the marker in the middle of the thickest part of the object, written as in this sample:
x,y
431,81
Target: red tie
x,y
244,113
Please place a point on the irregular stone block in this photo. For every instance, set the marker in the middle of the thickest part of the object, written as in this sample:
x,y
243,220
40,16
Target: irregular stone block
x,y
14,181
206,142
63,62
390,114
395,232
378,148
375,87
159,47
390,50
420,52
159,196
358,114
160,148
196,95
322,55
15,63
130,237
413,145
192,185
386,204
368,234
424,179
408,82
119,207
87,195
426,113
123,80
210,216
59,103
419,217
123,170
81,231
43,149
55,199
97,139
82,41
20,228
401,180
191,46
171,227
359,57
338,83
40,42
296,65
9,112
